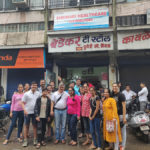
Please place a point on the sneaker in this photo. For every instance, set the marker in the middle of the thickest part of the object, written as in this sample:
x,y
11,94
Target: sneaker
x,y
25,143
98,148
35,142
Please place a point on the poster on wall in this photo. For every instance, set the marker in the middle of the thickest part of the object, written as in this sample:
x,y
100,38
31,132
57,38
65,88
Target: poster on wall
x,y
81,43
82,19
22,58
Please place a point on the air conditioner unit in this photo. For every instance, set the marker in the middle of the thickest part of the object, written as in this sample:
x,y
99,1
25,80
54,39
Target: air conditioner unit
x,y
20,2
148,16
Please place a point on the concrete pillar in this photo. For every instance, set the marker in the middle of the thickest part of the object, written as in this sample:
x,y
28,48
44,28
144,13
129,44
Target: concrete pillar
x,y
4,80
55,70
112,75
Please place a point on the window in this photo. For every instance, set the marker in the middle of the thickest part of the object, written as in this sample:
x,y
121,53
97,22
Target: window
x,y
25,27
86,2
37,3
7,5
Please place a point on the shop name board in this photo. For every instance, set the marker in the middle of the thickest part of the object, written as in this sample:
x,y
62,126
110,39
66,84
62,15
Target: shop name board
x,y
88,42
82,19
24,58
129,41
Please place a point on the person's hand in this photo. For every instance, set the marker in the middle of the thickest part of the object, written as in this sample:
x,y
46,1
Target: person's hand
x,y
25,113
37,119
78,118
124,120
52,113
49,119
10,114
90,118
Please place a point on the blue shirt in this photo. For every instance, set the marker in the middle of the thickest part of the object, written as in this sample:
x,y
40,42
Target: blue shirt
x,y
77,88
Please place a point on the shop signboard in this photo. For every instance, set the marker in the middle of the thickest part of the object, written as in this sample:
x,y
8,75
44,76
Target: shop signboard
x,y
23,58
134,40
81,43
82,19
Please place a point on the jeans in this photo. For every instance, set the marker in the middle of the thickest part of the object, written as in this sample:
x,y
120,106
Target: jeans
x,y
16,115
72,125
95,131
143,106
60,123
82,125
41,129
86,125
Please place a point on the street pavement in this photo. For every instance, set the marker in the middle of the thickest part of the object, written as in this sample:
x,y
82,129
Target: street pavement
x,y
133,143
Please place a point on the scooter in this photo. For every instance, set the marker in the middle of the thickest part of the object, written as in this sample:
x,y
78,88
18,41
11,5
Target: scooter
x,y
139,121
4,115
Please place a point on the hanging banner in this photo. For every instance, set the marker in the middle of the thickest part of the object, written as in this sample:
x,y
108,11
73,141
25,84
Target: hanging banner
x,y
24,58
82,19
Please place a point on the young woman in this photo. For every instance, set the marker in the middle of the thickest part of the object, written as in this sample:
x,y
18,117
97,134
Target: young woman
x,y
81,91
16,112
86,111
110,114
73,104
95,119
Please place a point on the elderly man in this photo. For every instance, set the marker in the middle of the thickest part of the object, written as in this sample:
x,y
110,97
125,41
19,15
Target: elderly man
x,y
59,110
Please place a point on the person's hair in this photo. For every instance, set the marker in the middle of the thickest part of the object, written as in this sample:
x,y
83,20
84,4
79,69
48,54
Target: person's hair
x,y
72,82
127,85
33,82
73,92
42,80
48,86
61,84
115,83
78,79
143,83
86,84
45,89
20,84
26,84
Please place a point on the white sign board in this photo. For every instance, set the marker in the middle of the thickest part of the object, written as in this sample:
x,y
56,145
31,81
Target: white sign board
x,y
81,43
134,40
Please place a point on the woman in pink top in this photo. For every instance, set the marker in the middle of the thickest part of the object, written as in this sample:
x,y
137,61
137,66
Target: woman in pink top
x,y
16,112
86,111
73,105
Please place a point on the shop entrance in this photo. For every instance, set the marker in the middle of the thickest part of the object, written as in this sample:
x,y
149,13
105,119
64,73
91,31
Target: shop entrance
x,y
95,75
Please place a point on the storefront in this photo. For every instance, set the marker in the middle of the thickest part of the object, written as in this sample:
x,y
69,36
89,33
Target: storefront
x,y
134,62
21,66
82,56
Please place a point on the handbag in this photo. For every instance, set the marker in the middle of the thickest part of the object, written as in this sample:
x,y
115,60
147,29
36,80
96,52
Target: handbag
x,y
110,127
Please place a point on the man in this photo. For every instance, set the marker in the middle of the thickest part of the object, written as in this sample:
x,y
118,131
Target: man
x,y
28,104
52,84
121,106
128,93
77,86
59,110
143,96
42,85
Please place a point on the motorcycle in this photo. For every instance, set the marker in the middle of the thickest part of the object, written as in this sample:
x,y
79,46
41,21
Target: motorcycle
x,y
138,121
4,115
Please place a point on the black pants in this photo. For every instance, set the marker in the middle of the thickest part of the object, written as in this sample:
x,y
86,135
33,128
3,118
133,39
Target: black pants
x,y
41,129
82,125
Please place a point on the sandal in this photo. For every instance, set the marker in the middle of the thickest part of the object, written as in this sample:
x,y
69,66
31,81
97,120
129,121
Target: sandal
x,y
86,143
5,142
38,145
63,142
71,142
92,147
56,142
80,135
43,143
19,140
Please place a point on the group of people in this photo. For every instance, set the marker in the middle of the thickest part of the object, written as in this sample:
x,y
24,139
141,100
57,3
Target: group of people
x,y
96,110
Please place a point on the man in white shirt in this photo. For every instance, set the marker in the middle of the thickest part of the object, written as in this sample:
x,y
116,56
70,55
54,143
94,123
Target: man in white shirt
x,y
143,96
42,85
28,104
129,94
59,110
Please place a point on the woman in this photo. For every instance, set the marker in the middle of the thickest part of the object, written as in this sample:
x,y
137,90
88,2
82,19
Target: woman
x,y
111,115
81,91
95,119
73,104
16,112
85,110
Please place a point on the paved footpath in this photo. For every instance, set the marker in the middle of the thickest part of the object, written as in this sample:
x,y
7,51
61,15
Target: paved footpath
x,y
133,143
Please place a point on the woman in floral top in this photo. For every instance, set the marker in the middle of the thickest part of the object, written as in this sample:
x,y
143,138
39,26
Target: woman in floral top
x,y
86,111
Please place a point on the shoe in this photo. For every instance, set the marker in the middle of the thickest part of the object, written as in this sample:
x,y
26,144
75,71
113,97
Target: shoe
x,y
108,148
5,142
63,142
122,148
35,142
56,142
25,143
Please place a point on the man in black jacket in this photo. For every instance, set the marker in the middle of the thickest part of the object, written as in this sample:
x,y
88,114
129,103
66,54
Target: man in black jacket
x,y
42,113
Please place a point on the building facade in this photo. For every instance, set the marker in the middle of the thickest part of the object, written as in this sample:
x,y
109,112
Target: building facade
x,y
104,41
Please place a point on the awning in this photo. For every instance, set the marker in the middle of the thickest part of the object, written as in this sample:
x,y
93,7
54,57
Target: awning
x,y
22,58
